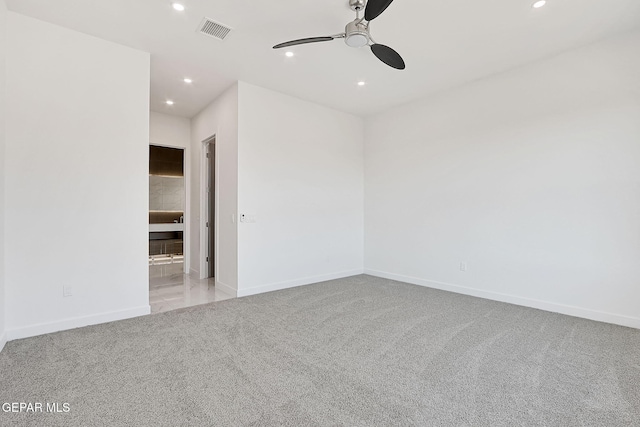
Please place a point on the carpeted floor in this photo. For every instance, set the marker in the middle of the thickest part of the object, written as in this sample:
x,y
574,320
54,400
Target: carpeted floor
x,y
361,351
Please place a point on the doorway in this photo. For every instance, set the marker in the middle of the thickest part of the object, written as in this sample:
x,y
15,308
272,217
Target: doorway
x,y
170,284
209,254
166,211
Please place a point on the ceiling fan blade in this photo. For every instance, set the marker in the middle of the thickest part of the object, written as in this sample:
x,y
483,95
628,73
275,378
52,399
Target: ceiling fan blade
x,y
304,41
388,56
375,8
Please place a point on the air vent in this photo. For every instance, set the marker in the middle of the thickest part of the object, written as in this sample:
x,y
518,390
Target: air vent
x,y
214,29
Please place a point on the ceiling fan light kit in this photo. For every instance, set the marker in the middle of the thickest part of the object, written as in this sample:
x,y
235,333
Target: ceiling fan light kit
x,y
357,34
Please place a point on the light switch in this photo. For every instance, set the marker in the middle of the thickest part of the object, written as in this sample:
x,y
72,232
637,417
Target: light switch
x,y
247,218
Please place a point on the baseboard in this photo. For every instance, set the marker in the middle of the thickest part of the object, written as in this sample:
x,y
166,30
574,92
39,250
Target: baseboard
x,y
194,273
297,282
3,340
227,289
600,316
75,322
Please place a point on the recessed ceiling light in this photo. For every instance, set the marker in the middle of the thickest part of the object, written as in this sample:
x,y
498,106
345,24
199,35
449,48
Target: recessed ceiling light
x,y
188,81
539,4
361,83
289,54
169,102
177,6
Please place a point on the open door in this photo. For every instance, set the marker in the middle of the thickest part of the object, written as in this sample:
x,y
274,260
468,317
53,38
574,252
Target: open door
x,y
211,206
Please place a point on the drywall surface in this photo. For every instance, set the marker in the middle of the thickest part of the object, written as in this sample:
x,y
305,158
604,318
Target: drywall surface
x,y
220,118
300,189
529,179
76,179
3,112
169,131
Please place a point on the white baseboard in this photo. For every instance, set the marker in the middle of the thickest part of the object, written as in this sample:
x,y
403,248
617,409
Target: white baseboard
x,y
227,289
194,273
3,340
600,316
75,322
297,282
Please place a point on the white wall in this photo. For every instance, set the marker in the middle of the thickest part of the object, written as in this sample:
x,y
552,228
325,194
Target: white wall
x,y
76,179
531,177
3,97
220,118
169,131
172,131
301,175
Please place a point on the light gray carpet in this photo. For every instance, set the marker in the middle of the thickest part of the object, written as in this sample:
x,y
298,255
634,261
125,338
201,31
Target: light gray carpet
x,y
361,351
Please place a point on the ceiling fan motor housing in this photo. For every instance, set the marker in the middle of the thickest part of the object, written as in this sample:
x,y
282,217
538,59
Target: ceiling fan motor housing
x,y
356,34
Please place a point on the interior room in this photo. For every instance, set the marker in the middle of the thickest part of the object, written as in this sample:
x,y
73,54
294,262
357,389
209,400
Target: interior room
x,y
319,213
166,211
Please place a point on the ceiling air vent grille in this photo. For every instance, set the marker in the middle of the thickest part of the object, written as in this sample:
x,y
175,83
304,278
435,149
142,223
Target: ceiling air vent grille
x,y
214,29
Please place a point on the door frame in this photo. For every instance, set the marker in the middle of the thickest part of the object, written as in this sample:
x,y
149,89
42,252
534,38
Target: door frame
x,y
204,207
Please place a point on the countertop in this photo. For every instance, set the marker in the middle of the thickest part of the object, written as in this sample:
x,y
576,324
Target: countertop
x,y
166,227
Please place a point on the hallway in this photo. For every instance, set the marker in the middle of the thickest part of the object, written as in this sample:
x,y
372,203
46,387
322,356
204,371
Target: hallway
x,y
170,288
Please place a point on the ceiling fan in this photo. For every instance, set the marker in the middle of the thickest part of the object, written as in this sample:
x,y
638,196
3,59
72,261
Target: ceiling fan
x,y
356,33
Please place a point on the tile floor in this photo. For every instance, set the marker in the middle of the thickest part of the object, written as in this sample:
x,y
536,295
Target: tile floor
x,y
170,288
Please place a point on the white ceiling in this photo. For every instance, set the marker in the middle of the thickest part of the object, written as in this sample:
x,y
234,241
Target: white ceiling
x,y
445,43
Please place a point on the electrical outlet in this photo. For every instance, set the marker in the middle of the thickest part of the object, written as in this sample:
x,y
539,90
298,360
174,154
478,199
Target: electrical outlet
x,y
67,291
463,266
